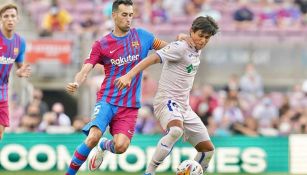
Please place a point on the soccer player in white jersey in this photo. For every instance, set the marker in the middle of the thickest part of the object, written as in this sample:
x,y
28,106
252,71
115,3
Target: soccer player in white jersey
x,y
171,104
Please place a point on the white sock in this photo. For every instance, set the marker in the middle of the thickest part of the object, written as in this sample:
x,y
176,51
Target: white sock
x,y
203,158
164,147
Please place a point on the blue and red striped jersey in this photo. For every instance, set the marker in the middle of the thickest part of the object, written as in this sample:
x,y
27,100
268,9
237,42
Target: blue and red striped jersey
x,y
119,55
11,50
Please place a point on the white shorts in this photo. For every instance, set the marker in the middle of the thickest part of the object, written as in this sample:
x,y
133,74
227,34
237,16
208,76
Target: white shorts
x,y
194,129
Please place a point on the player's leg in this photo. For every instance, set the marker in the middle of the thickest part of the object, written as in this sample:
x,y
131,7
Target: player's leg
x,y
196,133
170,119
4,117
205,151
122,128
94,131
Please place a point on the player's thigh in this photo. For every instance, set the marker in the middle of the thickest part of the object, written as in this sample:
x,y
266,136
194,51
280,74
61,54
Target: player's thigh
x,y
168,112
124,121
101,117
195,131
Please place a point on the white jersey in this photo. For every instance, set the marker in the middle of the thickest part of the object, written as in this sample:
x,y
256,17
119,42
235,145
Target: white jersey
x,y
178,73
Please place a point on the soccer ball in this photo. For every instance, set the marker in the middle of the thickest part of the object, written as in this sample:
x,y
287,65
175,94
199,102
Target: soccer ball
x,y
189,167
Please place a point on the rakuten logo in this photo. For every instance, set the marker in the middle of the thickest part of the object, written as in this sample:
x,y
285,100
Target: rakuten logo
x,y
4,60
121,61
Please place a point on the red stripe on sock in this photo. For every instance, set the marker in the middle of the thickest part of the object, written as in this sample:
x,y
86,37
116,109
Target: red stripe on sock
x,y
80,156
74,166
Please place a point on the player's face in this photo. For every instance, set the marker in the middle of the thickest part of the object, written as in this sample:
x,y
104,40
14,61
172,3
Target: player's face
x,y
123,17
200,39
9,19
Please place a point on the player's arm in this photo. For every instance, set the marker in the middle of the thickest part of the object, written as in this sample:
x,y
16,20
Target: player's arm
x,y
125,80
79,78
158,44
94,58
23,70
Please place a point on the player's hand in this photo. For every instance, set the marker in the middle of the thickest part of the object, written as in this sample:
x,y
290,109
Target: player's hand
x,y
24,71
187,38
72,87
122,82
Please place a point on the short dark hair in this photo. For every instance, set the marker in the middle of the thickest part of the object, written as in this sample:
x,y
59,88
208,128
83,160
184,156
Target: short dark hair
x,y
6,7
205,24
116,3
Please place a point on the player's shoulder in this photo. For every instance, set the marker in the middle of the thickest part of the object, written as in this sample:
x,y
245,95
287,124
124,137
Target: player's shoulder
x,y
19,37
141,31
179,45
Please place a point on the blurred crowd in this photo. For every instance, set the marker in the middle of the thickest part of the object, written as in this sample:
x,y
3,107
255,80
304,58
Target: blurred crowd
x,y
93,17
38,116
240,107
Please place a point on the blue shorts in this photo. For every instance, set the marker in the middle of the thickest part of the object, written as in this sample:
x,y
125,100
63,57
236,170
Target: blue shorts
x,y
120,119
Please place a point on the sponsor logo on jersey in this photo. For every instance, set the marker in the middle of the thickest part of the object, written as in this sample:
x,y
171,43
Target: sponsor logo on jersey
x,y
4,60
124,60
191,68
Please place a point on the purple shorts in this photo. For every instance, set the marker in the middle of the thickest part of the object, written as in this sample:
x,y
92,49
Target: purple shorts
x,y
124,121
4,114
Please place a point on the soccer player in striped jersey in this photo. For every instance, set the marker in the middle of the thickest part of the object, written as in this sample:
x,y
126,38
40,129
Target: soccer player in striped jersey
x,y
12,50
118,52
171,103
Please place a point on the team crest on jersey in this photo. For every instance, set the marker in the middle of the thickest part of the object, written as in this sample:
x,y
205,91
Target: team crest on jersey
x,y
135,44
16,50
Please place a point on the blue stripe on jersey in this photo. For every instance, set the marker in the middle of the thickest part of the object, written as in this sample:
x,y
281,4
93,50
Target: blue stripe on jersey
x,y
121,68
6,68
108,85
1,67
138,90
5,71
124,91
130,93
128,68
6,93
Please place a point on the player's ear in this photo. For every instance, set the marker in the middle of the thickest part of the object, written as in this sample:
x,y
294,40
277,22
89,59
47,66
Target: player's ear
x,y
114,15
191,32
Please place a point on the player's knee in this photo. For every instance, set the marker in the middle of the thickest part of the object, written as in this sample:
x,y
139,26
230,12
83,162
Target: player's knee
x,y
205,146
121,147
175,132
93,138
211,148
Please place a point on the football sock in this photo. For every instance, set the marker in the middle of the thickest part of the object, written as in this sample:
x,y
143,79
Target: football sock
x,y
164,147
203,158
78,159
107,145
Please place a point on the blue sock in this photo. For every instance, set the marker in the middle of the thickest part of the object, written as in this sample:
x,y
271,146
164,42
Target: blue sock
x,y
78,159
107,145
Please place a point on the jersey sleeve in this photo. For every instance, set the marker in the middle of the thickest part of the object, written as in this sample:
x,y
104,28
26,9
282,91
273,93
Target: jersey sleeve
x,y
95,55
172,52
147,37
21,54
